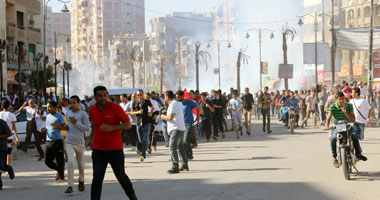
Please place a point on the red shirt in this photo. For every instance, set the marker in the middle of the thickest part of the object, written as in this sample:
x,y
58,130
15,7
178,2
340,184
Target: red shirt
x,y
112,114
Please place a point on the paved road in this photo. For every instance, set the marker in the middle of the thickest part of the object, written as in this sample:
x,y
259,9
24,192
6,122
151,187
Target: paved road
x,y
260,166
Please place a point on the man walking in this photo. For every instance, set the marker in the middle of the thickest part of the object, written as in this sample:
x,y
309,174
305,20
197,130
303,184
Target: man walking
x,y
236,105
106,142
187,109
54,154
265,101
4,134
322,99
77,125
310,108
248,103
31,127
362,111
176,129
140,108
207,110
217,121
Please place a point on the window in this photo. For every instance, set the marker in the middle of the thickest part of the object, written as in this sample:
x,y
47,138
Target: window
x,y
20,19
377,10
367,11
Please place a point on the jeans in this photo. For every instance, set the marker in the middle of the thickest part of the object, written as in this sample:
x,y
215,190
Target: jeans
x,y
165,133
247,119
151,137
189,134
322,113
266,119
78,150
355,142
54,157
177,143
143,137
3,164
100,160
360,130
31,128
199,128
272,107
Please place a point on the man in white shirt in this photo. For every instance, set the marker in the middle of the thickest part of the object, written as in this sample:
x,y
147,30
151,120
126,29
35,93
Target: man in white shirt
x,y
123,104
176,129
152,142
362,110
11,120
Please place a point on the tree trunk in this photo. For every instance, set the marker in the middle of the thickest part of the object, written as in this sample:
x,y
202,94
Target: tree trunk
x,y
197,71
238,72
133,76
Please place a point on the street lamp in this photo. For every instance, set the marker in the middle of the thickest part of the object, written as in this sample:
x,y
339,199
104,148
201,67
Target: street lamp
x,y
38,59
260,32
3,47
218,48
56,62
64,10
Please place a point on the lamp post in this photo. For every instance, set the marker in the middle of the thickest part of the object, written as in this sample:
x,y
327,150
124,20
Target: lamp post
x,y
56,62
3,47
370,56
64,10
218,42
38,59
260,32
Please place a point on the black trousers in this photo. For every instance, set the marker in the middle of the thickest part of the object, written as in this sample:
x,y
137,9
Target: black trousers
x,y
206,128
217,124
151,137
130,136
54,157
266,118
31,128
100,160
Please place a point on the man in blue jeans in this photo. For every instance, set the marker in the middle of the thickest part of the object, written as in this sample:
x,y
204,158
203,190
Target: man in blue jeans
x,y
342,111
4,134
187,108
140,109
176,128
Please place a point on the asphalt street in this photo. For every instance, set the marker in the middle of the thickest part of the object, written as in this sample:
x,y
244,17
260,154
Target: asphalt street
x,y
260,166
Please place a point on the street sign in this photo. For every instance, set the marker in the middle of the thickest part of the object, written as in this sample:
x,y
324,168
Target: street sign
x,y
376,65
285,71
264,67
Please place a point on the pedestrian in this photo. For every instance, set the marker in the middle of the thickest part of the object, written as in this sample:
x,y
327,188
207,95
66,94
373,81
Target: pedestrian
x,y
132,132
78,124
152,141
31,127
248,103
265,101
207,109
225,104
143,115
322,99
362,111
54,152
236,106
176,129
11,120
310,108
108,119
217,116
257,105
123,104
63,132
4,134
187,109
41,124
164,124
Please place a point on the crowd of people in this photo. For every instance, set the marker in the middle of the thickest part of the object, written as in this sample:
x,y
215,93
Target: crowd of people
x,y
184,118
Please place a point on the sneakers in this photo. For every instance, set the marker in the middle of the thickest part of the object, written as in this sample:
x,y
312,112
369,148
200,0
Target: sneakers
x,y
142,158
361,157
11,174
335,163
40,158
173,171
191,157
69,190
223,136
248,133
270,131
81,186
215,138
184,168
149,151
138,152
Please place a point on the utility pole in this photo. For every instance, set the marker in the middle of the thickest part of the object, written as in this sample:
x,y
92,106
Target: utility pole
x,y
333,43
261,66
285,54
219,64
316,49
55,63
370,56
161,71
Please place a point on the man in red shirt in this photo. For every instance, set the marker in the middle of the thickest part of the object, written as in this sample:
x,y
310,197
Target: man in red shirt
x,y
106,142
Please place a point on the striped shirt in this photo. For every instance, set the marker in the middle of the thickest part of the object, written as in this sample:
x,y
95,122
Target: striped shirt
x,y
338,114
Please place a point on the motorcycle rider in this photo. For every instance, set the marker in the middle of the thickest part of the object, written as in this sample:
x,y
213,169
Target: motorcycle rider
x,y
342,111
292,101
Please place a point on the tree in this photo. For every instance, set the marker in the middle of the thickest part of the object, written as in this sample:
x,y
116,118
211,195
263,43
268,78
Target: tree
x,y
201,57
242,57
132,57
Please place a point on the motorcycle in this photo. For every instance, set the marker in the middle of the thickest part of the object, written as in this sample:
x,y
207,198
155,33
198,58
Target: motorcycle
x,y
345,149
292,119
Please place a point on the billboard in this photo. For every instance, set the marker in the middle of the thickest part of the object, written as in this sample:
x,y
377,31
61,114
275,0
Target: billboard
x,y
376,65
285,71
264,67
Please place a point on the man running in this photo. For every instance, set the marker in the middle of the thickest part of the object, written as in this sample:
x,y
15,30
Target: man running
x,y
217,120
77,126
4,134
362,110
311,102
11,120
236,105
106,142
176,129
248,103
207,110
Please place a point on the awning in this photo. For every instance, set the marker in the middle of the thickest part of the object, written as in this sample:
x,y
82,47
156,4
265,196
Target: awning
x,y
356,39
23,67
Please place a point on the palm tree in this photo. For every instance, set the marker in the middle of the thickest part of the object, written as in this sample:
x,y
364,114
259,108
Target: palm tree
x,y
242,57
201,57
132,57
287,32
